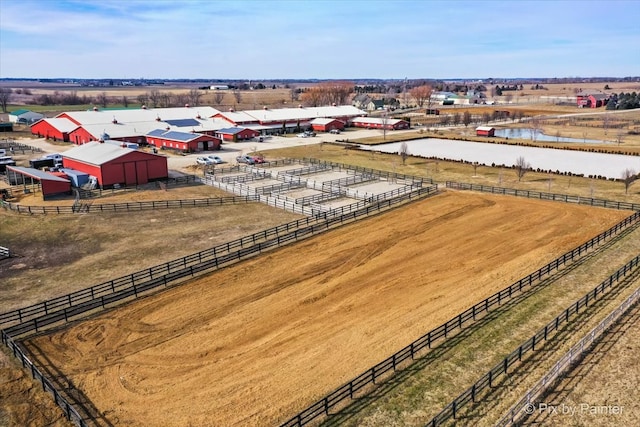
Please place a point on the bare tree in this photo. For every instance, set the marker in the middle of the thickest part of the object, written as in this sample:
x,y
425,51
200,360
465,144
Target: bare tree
x,y
535,127
218,96
102,99
384,120
466,118
194,97
619,136
125,101
293,93
5,97
165,99
403,152
143,99
179,99
238,96
606,122
154,97
521,167
422,94
628,176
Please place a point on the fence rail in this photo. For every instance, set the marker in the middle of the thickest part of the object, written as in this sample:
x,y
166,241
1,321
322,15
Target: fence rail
x,y
566,361
501,369
69,410
4,252
443,332
130,206
36,316
544,196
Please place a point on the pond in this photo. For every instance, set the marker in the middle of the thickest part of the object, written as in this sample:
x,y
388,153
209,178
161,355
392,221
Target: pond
x,y
525,133
576,162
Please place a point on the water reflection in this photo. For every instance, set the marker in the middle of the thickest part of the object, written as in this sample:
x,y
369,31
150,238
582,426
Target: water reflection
x,y
525,133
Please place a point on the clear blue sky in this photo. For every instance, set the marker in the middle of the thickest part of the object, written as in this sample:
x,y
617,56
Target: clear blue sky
x,y
318,39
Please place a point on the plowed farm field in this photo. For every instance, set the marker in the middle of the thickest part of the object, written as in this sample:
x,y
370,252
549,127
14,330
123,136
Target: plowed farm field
x,y
255,343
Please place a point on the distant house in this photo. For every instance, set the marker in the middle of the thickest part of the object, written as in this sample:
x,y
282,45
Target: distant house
x,y
361,101
375,104
485,131
591,99
24,116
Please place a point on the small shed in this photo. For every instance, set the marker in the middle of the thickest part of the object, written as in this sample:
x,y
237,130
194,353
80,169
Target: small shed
x,y
236,134
485,131
326,125
34,180
24,116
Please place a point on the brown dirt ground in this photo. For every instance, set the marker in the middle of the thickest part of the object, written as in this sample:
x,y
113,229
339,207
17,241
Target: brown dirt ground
x,y
255,343
23,402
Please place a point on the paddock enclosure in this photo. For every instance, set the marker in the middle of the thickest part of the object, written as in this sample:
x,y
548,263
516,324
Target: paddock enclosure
x,y
254,343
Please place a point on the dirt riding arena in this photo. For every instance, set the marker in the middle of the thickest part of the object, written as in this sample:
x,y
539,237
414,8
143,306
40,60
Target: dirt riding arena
x,y
255,343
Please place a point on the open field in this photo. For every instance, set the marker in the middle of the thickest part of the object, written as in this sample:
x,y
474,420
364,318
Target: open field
x,y
59,254
257,341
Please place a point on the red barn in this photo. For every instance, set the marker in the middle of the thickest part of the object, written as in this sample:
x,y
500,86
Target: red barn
x,y
326,125
182,141
56,129
112,164
380,123
593,99
485,131
237,134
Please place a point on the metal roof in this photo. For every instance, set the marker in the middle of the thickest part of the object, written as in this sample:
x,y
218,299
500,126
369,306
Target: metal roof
x,y
96,153
140,115
377,120
37,173
485,128
323,121
19,112
183,122
63,125
232,131
305,113
176,136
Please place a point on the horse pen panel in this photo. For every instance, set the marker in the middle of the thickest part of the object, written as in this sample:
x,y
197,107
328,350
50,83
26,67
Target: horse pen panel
x,y
255,343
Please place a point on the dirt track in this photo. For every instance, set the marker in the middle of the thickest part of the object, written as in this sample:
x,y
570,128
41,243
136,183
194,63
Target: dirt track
x,y
255,343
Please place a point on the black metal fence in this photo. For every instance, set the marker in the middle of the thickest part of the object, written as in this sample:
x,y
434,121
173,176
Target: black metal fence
x,y
70,412
502,368
130,206
544,196
63,308
440,334
524,405
4,252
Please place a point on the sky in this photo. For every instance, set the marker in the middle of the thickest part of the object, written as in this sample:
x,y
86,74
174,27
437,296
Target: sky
x,y
318,39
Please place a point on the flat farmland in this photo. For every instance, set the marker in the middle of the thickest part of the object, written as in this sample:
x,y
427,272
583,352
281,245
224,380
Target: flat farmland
x,y
254,343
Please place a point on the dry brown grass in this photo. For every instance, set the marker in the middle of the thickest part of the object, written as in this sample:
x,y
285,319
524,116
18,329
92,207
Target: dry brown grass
x,y
58,254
